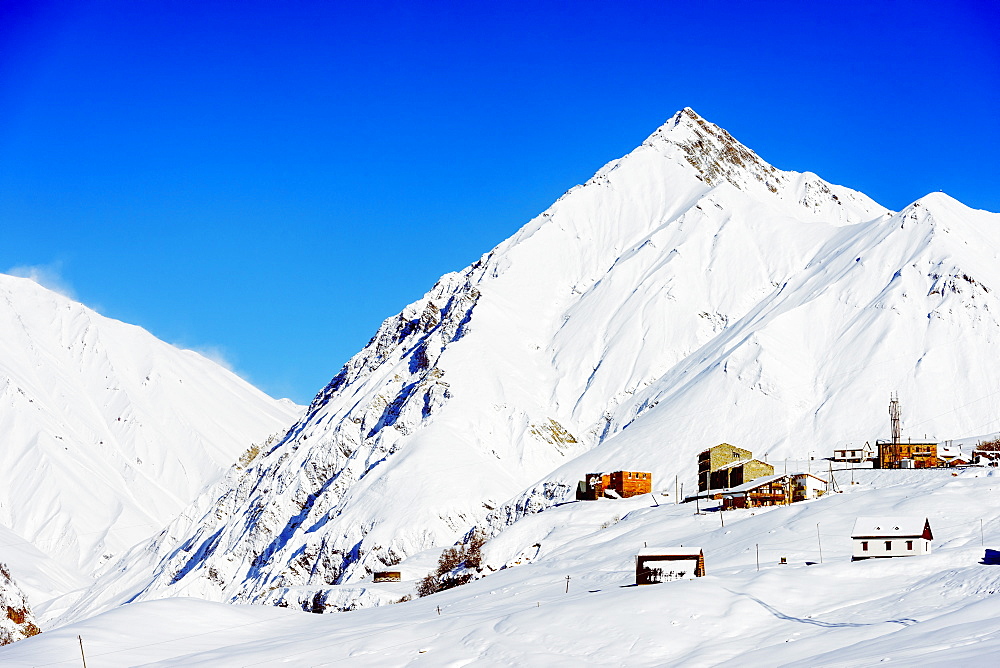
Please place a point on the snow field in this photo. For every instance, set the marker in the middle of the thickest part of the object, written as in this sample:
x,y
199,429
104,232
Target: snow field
x,y
912,611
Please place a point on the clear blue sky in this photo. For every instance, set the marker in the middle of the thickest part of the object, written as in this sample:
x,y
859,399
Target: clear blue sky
x,y
270,180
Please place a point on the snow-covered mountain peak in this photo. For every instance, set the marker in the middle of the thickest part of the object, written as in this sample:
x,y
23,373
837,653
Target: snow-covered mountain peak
x,y
714,153
939,204
688,294
714,158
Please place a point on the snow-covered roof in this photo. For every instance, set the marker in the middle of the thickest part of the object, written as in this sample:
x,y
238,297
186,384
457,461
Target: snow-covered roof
x,y
670,552
889,526
766,480
852,445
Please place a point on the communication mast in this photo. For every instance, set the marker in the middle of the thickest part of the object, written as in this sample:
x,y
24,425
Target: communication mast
x,y
894,418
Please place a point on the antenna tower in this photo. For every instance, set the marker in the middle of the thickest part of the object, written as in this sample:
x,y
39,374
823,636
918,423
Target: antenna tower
x,y
894,418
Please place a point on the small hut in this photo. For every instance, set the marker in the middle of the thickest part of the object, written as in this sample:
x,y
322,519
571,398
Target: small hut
x,y
662,564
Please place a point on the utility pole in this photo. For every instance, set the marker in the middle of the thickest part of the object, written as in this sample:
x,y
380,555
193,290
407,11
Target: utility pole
x,y
820,543
722,517
567,584
82,655
757,545
677,492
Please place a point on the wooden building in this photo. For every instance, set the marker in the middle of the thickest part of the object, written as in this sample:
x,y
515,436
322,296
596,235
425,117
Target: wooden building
x,y
631,483
662,564
623,484
882,537
387,576
774,490
906,455
714,458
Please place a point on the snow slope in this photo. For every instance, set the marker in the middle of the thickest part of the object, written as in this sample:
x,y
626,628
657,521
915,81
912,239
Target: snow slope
x,y
933,610
688,294
108,432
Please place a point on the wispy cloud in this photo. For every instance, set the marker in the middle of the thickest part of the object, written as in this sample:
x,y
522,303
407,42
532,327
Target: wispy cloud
x,y
47,275
216,354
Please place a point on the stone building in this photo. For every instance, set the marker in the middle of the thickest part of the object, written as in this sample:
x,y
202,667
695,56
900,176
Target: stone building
x,y
715,458
738,473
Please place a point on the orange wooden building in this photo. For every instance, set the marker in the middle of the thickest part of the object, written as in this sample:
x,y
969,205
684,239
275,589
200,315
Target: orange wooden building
x,y
623,483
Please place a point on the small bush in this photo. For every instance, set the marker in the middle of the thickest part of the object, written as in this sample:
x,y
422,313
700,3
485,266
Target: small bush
x,y
467,556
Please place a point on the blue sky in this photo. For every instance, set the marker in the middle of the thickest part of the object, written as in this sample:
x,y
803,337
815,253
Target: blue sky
x,y
268,181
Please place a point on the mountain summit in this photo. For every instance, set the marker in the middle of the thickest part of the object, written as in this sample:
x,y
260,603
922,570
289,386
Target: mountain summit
x,y
689,293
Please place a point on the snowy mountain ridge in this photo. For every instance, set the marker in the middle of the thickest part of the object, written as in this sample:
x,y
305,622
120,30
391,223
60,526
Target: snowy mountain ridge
x,y
688,294
108,433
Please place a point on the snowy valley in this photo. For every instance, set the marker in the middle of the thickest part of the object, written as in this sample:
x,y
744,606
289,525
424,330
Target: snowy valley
x,y
688,294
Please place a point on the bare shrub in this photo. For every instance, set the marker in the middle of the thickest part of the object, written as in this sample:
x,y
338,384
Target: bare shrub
x,y
454,566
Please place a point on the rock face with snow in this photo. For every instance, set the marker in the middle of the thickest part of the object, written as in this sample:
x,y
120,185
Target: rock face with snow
x,y
16,620
107,431
688,294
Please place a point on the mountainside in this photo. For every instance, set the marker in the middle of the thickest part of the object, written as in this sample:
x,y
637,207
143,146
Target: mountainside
x,y
688,294
108,432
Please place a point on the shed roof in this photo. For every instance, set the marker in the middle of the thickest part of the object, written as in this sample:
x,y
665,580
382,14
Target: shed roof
x,y
865,527
692,552
740,462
